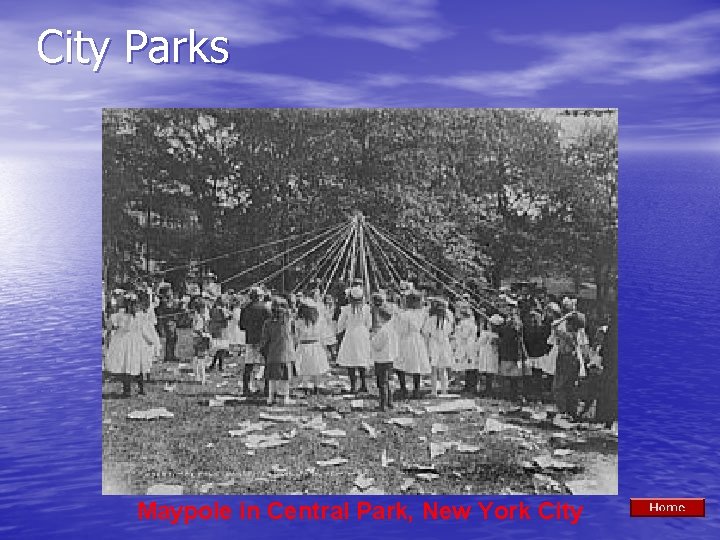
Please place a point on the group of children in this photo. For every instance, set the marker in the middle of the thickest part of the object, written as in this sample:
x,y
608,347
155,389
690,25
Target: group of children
x,y
130,339
419,336
407,334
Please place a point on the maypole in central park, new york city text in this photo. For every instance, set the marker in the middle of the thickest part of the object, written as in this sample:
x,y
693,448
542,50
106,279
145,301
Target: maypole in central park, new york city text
x,y
360,510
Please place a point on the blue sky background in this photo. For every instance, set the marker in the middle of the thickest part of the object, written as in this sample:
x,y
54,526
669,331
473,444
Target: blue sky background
x,y
658,62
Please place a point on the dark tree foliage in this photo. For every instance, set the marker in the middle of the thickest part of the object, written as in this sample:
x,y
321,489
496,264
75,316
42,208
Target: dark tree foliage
x,y
482,193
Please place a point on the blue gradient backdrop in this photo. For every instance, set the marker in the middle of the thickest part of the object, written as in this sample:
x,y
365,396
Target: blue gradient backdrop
x,y
656,61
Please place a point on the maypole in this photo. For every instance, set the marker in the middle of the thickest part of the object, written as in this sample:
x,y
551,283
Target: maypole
x,y
363,256
353,256
344,256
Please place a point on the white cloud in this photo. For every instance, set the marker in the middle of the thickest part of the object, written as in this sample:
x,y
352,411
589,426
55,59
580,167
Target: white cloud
x,y
408,37
401,24
299,90
391,10
629,54
671,143
676,124
57,96
247,23
87,128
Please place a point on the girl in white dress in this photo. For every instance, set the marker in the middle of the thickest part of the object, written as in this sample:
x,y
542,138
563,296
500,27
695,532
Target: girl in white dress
x,y
355,320
236,336
465,341
437,330
148,320
219,316
129,346
118,310
330,325
384,351
548,362
488,353
412,349
152,304
311,360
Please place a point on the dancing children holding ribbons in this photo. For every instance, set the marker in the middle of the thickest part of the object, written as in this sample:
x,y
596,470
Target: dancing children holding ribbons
x,y
412,350
129,347
355,320
328,314
148,319
311,353
437,330
465,337
384,351
278,345
488,351
252,319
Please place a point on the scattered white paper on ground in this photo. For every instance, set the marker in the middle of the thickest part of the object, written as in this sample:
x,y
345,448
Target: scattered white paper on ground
x,y
437,449
402,421
248,427
256,441
454,406
282,417
370,430
544,461
407,484
165,489
467,448
493,426
333,433
562,423
332,443
362,482
438,428
332,462
150,414
316,423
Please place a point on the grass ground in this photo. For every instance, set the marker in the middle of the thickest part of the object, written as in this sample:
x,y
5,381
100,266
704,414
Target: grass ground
x,y
194,448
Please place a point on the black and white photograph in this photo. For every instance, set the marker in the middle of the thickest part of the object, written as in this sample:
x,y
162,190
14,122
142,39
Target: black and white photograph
x,y
360,301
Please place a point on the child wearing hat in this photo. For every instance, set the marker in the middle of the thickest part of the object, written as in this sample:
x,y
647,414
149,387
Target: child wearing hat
x,y
384,351
198,325
278,343
377,300
147,317
488,354
129,346
330,325
355,321
218,327
568,364
437,330
465,339
168,317
252,320
513,368
412,349
553,312
201,357
236,336
535,336
311,354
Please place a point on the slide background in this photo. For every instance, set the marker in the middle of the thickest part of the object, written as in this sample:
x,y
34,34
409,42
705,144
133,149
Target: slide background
x,y
657,62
